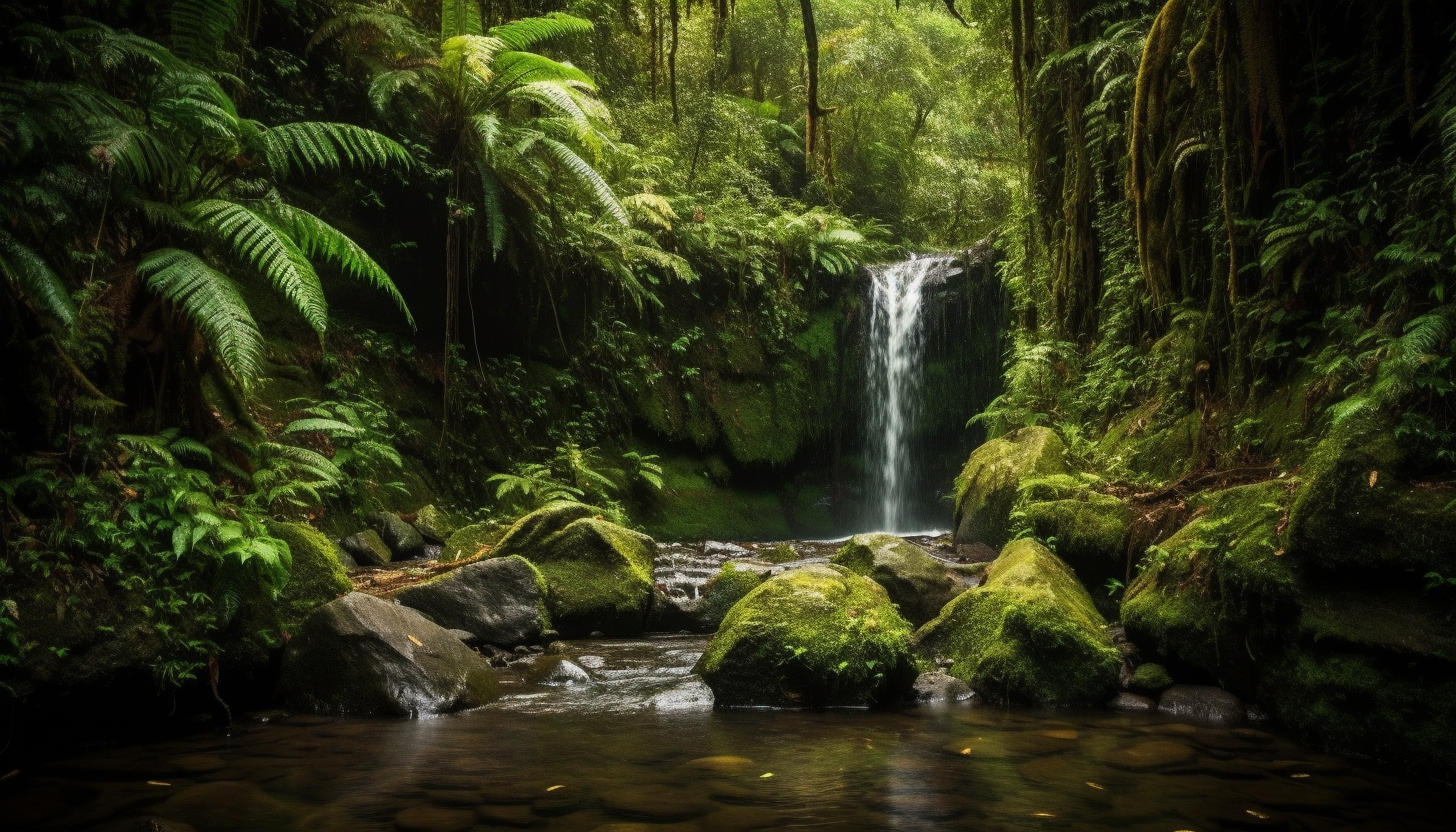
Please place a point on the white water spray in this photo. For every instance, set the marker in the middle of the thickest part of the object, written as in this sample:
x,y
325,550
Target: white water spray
x,y
897,349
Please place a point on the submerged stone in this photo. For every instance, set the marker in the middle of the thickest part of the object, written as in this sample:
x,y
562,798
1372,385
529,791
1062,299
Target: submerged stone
x,y
917,583
810,637
938,688
1029,634
502,601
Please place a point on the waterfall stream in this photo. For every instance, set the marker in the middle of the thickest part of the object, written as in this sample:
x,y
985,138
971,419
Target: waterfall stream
x,y
896,361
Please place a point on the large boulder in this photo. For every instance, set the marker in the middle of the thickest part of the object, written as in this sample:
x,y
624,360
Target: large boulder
x,y
810,637
598,574
1090,532
470,541
366,548
316,577
363,655
987,486
1029,634
434,524
917,583
501,601
404,541
725,589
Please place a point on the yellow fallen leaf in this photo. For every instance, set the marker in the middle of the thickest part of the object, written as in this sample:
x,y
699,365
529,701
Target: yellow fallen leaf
x,y
1042,815
417,642
1097,785
1278,552
1374,475
157,783
1299,775
554,788
765,775
1259,815
965,752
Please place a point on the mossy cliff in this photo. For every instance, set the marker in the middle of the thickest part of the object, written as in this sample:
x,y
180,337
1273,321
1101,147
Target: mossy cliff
x,y
1029,634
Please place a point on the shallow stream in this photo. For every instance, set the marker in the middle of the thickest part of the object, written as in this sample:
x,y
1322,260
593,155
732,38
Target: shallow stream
x,y
619,736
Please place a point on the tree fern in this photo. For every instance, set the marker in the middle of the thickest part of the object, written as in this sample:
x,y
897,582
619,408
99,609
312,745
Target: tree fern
x,y
212,302
319,240
256,242
459,17
527,32
311,146
200,29
587,175
33,277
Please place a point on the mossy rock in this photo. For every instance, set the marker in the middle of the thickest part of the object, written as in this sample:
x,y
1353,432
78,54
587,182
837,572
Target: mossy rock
x,y
1151,679
1354,512
1029,634
434,524
316,576
918,584
811,637
725,589
1090,534
1217,590
598,574
988,484
472,540
366,548
403,540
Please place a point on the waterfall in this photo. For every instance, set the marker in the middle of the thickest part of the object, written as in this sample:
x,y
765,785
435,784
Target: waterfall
x,y
896,359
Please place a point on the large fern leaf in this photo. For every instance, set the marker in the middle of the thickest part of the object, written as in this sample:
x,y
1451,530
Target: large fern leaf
x,y
528,31
587,175
317,239
310,146
212,302
200,29
459,17
254,241
28,272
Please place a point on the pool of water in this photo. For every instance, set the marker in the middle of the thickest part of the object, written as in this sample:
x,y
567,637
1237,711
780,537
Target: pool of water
x,y
619,736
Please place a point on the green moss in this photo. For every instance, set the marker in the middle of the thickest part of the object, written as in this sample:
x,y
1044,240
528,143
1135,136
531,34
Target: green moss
x,y
316,576
472,540
1151,678
1089,533
812,637
762,420
691,506
987,486
727,588
1029,634
917,583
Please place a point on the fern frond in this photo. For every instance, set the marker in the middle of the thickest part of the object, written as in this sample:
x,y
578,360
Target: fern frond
x,y
552,96
588,176
200,29
459,17
33,277
522,34
318,239
510,69
309,146
471,55
272,254
212,303
328,427
494,212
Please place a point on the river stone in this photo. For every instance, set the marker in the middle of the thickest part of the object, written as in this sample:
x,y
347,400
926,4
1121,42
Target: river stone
x,y
345,559
519,816
559,671
721,764
988,484
598,574
1202,703
1125,701
917,583
1029,634
939,687
433,524
1152,754
402,539
433,819
723,590
815,636
502,601
363,655
655,803
146,823
366,548
227,805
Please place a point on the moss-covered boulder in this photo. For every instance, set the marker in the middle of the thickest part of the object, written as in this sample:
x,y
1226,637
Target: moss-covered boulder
x,y
1355,511
811,637
917,583
434,524
501,601
363,655
316,576
404,541
1089,532
987,486
470,541
598,574
724,590
366,548
1029,634
1223,581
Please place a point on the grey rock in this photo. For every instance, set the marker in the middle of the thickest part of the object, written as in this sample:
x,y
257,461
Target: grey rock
x,y
1202,703
346,560
939,687
498,600
402,539
465,636
363,655
367,548
715,548
919,584
557,670
1132,702
670,614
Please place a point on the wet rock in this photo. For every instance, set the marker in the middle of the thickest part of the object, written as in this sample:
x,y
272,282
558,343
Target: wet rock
x,y
559,800
403,540
721,764
556,670
1150,679
433,819
916,582
918,805
598,574
558,648
225,806
502,601
974,553
1152,754
366,548
1202,703
655,803
671,614
466,637
689,695
939,687
433,524
715,548
1125,701
725,589
810,637
987,486
1029,634
363,655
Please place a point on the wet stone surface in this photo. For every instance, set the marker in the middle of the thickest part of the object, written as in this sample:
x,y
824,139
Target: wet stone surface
x,y
626,740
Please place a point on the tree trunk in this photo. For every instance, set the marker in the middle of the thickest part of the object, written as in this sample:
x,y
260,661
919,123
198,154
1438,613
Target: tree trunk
x,y
672,13
814,112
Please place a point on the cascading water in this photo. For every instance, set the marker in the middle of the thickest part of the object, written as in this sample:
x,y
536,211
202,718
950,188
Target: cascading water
x,y
896,359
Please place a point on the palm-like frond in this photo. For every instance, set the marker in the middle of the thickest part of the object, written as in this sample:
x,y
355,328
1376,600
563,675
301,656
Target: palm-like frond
x,y
136,151
256,242
459,17
318,239
200,29
511,69
471,56
527,32
553,96
587,175
310,146
212,302
28,272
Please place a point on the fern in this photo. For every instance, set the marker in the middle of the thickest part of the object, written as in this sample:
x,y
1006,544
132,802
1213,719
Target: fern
x,y
587,175
312,146
459,17
525,33
212,302
200,29
318,239
33,277
259,244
